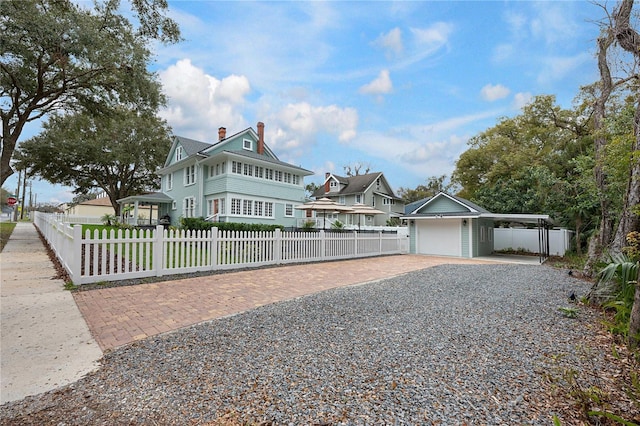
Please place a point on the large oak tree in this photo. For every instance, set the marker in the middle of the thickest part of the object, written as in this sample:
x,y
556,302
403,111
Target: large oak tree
x,y
118,151
57,55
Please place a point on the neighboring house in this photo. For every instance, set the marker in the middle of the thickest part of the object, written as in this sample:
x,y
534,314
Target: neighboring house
x,y
447,225
371,189
101,205
97,207
237,179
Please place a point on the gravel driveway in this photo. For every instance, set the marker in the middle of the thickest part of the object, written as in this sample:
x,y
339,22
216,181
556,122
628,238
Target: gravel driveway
x,y
452,344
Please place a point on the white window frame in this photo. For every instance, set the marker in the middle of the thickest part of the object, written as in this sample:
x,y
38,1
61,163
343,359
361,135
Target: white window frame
x,y
268,209
258,208
359,198
236,206
247,144
388,201
288,210
190,175
169,181
174,205
189,207
179,153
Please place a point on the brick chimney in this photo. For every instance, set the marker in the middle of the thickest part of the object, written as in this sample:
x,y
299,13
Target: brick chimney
x,y
222,133
327,186
260,137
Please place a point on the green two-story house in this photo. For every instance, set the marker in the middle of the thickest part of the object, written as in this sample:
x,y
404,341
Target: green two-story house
x,y
236,179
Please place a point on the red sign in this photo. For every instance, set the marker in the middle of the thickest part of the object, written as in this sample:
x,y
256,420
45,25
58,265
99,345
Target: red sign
x,y
11,201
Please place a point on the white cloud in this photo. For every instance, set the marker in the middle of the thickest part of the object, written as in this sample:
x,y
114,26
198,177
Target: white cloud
x,y
391,42
199,103
493,93
521,99
552,23
555,68
296,126
435,36
380,85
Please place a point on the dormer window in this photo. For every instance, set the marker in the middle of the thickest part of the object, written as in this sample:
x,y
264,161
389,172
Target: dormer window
x,y
333,184
179,153
247,144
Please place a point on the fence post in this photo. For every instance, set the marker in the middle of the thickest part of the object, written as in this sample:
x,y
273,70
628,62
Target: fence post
x,y
355,243
277,246
158,249
379,242
214,248
323,245
76,264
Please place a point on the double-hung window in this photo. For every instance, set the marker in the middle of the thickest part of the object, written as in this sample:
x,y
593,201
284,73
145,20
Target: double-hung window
x,y
288,210
235,206
190,175
189,207
258,208
169,181
246,207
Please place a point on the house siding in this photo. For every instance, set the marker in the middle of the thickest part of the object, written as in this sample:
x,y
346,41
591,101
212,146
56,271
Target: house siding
x,y
465,248
228,185
482,237
443,205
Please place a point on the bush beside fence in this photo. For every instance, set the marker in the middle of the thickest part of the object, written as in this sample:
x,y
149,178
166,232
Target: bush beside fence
x,y
124,254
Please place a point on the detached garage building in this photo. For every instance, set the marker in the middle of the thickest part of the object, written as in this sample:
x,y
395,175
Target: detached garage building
x,y
446,225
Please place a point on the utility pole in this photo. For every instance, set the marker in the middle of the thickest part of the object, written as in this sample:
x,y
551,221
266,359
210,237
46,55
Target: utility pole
x,y
24,191
15,211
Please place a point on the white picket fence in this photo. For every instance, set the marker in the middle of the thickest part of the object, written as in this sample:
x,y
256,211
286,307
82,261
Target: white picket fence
x,y
124,254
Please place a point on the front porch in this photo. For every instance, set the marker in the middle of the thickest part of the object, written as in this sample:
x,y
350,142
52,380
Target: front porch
x,y
156,204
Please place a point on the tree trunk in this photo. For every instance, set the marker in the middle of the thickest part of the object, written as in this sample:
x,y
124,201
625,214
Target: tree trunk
x,y
578,236
634,323
629,40
605,233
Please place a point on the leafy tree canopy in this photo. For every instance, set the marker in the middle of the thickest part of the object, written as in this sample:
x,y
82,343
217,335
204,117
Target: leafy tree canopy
x,y
435,184
57,55
118,152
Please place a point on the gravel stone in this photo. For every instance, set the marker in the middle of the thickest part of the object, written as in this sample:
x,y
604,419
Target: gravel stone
x,y
452,344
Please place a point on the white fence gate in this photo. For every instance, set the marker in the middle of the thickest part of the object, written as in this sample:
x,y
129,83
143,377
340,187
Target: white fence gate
x,y
134,253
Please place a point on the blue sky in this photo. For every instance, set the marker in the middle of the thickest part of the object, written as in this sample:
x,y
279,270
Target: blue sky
x,y
397,86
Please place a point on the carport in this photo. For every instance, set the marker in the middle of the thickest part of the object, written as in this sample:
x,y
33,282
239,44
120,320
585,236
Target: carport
x,y
446,225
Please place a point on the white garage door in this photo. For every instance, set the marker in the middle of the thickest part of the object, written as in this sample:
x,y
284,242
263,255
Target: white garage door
x,y
439,237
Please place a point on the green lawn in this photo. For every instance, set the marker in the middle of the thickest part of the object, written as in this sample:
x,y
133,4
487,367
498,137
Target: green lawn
x,y
6,228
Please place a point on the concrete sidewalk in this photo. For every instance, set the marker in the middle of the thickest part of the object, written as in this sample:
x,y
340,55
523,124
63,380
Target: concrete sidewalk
x,y
44,340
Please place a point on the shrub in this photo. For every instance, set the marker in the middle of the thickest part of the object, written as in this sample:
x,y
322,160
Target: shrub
x,y
200,224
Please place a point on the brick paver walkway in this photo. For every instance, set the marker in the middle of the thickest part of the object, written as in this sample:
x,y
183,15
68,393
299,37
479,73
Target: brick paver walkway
x,y
120,315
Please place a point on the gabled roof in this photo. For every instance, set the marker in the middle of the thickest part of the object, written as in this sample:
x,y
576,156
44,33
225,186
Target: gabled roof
x,y
465,206
354,184
192,146
460,207
100,201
